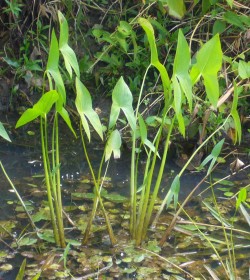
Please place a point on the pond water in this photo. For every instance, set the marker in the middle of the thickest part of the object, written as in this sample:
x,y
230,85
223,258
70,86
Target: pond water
x,y
22,161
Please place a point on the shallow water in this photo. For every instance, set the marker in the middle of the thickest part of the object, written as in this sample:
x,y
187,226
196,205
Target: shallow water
x,y
22,161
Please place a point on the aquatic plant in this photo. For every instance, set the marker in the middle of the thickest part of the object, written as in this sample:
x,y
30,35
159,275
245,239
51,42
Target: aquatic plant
x,y
177,91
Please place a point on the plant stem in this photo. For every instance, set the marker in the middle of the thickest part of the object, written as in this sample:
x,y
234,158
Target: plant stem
x,y
133,182
97,199
59,206
18,196
47,180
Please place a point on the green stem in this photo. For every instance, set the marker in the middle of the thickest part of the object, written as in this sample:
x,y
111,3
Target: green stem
x,y
141,219
133,182
59,206
47,180
98,197
188,197
18,196
159,179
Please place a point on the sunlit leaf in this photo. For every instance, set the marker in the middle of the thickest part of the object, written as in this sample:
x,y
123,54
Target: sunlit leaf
x,y
67,52
181,67
209,62
65,115
84,107
41,108
176,8
53,70
122,99
148,28
244,69
113,145
3,133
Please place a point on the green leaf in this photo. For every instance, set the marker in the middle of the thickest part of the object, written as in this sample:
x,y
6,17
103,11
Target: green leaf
x,y
148,28
21,271
69,56
242,196
113,145
122,100
219,27
3,133
176,8
46,235
84,107
27,241
235,115
64,114
209,62
181,67
114,197
174,191
143,134
244,69
124,29
41,108
143,128
234,19
230,3
53,70
177,105
213,156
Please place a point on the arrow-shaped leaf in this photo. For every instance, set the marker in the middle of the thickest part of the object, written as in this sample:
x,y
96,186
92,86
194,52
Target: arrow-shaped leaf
x,y
122,100
209,62
84,107
41,108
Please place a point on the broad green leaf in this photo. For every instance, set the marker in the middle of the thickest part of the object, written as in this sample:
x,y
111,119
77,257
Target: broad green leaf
x,y
177,105
205,6
219,27
113,145
41,108
174,191
27,241
148,28
122,99
230,3
64,114
244,69
235,115
209,62
124,28
53,58
242,196
181,67
234,19
84,107
3,133
53,70
176,8
67,52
